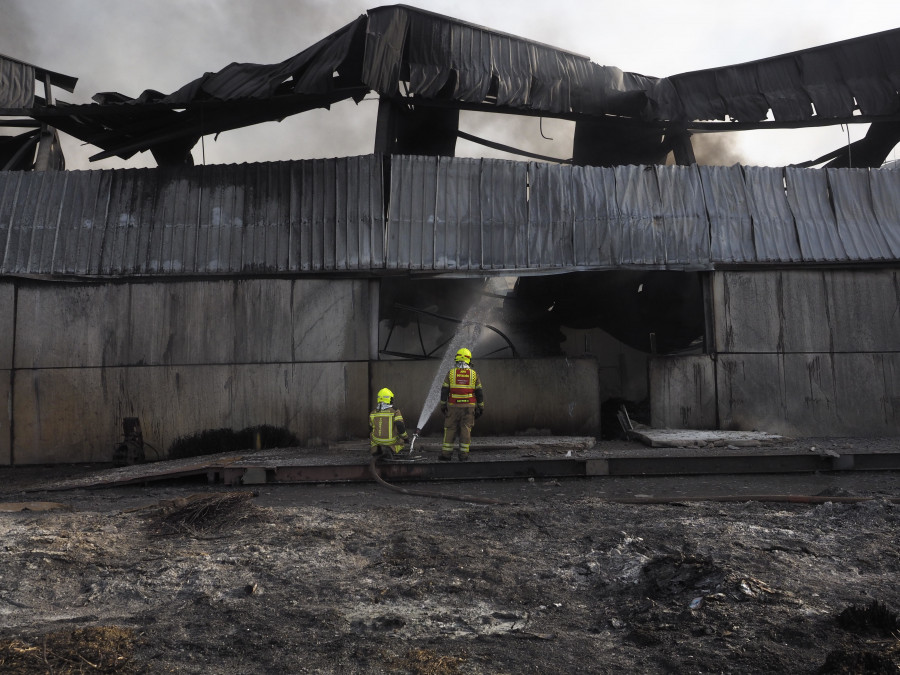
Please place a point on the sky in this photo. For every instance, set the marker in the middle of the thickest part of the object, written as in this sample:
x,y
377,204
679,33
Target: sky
x,y
128,46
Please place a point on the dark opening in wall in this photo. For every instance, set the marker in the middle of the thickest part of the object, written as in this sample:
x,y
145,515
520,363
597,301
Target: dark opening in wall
x,y
650,311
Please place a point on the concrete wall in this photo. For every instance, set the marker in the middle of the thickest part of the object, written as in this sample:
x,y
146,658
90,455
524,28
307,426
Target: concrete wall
x,y
683,392
799,352
557,395
622,370
7,327
182,356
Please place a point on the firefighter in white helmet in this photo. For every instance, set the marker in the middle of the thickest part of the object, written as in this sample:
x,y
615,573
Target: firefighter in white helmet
x,y
462,402
387,431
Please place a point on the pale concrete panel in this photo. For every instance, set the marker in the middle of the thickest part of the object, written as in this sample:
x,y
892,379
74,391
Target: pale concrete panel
x,y
683,392
181,323
331,320
809,391
745,311
865,310
803,311
810,394
751,393
560,395
868,394
262,309
771,311
69,325
62,416
808,311
5,419
75,415
7,321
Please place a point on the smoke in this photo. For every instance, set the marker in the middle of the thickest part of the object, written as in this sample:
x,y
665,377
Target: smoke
x,y
543,136
716,150
129,47
16,31
134,45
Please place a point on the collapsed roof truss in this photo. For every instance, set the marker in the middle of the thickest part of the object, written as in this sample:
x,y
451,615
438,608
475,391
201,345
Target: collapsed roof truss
x,y
414,56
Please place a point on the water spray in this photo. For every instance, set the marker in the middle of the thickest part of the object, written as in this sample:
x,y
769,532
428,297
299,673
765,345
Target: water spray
x,y
468,332
415,437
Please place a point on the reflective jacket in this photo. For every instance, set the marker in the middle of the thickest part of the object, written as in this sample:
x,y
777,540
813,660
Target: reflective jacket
x,y
462,387
386,426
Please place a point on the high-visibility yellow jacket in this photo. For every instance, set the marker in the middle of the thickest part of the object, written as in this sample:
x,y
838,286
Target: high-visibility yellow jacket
x,y
462,387
386,427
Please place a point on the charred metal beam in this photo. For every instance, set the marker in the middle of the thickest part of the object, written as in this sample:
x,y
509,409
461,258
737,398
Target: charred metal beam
x,y
416,310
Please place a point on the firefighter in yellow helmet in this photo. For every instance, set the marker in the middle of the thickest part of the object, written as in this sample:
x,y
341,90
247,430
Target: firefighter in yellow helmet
x,y
462,402
387,431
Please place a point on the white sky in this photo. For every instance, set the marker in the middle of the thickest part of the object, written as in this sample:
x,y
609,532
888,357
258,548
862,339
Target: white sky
x,y
132,45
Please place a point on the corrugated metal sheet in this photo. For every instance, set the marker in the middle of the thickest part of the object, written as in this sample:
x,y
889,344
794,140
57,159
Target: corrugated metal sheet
x,y
16,84
398,50
456,214
306,216
826,81
455,60
730,222
445,215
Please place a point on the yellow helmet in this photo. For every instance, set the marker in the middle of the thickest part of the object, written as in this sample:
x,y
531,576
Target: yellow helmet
x,y
464,355
386,396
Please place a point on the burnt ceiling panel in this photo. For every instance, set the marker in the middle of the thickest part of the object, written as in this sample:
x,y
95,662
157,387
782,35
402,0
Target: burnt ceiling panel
x,y
407,53
740,90
867,77
780,83
823,82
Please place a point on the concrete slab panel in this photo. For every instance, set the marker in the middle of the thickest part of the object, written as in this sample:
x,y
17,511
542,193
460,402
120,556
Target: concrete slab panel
x,y
331,320
746,315
809,390
5,419
75,415
557,396
807,311
64,325
683,392
694,438
7,320
262,320
804,313
868,395
864,310
751,395
180,323
809,394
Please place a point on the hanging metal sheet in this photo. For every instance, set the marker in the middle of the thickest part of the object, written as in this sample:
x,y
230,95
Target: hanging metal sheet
x,y
857,225
467,216
885,188
730,222
814,219
774,233
219,220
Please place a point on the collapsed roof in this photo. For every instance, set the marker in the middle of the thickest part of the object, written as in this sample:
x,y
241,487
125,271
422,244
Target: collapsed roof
x,y
425,62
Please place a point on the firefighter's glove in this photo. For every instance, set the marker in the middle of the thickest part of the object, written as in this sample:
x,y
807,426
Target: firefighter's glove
x,y
479,411
444,407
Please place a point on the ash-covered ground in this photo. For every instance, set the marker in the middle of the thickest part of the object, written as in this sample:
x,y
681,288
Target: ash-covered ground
x,y
558,576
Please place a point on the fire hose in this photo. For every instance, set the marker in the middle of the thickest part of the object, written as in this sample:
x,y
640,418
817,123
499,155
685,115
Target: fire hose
x,y
427,493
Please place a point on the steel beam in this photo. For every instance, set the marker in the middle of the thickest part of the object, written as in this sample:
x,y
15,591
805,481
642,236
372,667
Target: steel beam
x,y
246,473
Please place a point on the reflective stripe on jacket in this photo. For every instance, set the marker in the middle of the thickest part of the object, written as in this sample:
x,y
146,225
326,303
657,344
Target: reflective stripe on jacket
x,y
464,386
384,425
